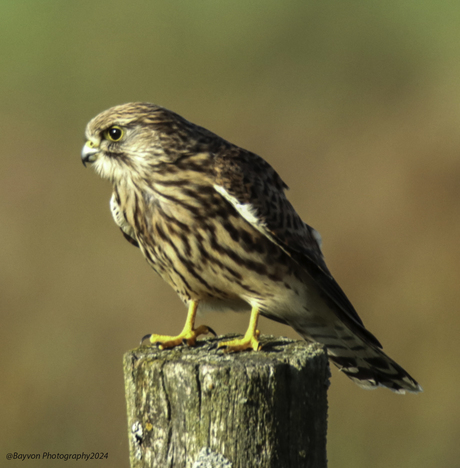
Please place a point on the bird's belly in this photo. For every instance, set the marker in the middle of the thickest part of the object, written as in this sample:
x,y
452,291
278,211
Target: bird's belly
x,y
216,265
213,304
226,274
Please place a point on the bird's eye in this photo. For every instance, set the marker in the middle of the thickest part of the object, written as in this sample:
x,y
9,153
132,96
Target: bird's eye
x,y
114,133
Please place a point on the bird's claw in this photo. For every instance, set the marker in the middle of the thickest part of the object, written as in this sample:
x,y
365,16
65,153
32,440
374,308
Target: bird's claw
x,y
187,338
146,337
242,344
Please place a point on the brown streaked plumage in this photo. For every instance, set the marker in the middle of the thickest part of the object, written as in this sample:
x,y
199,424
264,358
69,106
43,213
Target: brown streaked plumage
x,y
213,221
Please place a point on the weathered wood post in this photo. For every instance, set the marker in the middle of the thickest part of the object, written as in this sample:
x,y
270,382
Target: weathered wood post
x,y
199,408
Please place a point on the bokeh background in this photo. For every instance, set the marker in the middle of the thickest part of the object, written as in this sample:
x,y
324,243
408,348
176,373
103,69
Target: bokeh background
x,y
355,103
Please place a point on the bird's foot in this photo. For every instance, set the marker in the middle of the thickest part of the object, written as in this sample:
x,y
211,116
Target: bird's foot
x,y
187,336
249,341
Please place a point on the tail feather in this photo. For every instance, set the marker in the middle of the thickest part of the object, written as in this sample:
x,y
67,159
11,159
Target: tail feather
x,y
365,364
373,369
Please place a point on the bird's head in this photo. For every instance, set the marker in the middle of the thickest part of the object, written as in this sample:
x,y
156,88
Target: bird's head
x,y
136,139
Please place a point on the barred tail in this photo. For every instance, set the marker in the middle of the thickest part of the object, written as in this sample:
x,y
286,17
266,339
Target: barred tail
x,y
373,368
364,363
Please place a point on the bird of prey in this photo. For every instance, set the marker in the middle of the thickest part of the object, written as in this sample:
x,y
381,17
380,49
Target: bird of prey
x,y
213,220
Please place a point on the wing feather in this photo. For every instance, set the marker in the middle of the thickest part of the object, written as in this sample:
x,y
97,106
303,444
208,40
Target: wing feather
x,y
118,217
256,191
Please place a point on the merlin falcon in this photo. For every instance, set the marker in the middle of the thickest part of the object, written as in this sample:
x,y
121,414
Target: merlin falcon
x,y
213,220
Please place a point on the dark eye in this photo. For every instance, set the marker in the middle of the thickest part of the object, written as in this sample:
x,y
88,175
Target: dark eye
x,y
114,133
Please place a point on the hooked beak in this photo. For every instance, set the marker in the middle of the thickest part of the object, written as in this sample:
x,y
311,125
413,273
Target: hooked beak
x,y
88,153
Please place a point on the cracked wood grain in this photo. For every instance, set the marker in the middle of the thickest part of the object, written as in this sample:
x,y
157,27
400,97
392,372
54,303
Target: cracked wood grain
x,y
252,409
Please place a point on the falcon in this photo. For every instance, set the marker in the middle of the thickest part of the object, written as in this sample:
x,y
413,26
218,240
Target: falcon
x,y
213,220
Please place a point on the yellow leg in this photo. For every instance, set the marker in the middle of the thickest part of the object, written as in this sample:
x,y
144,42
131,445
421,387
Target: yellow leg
x,y
249,340
187,335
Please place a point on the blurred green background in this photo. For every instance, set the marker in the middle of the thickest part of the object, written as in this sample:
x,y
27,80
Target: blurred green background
x,y
355,103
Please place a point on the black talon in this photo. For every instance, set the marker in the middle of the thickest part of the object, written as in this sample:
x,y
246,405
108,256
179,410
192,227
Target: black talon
x,y
210,330
222,349
213,346
144,338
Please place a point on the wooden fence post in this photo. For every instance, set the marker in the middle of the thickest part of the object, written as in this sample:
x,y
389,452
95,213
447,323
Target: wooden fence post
x,y
199,408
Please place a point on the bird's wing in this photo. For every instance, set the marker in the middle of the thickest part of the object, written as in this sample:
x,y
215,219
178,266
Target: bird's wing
x,y
118,217
256,191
